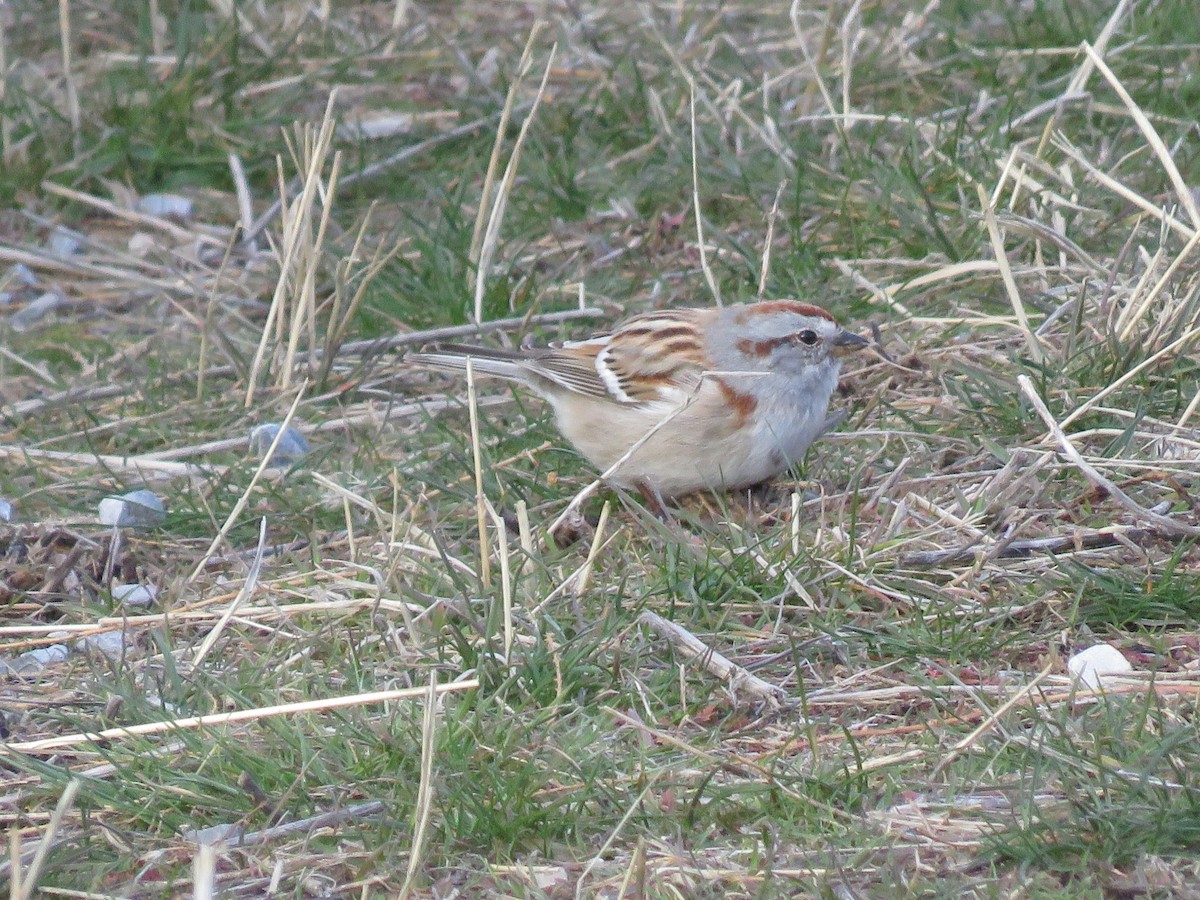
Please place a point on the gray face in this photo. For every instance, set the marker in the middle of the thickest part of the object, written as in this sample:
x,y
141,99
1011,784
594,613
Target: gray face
x,y
783,337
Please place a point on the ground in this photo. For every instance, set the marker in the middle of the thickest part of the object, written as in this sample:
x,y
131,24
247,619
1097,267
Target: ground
x,y
1000,194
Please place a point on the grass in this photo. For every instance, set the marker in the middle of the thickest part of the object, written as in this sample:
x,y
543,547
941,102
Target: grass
x,y
914,589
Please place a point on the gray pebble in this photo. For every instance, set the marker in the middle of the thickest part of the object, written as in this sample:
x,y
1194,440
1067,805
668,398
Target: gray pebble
x,y
137,509
21,274
109,643
37,659
292,446
35,309
133,595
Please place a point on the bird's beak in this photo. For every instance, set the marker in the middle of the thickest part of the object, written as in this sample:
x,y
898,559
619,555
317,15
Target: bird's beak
x,y
847,341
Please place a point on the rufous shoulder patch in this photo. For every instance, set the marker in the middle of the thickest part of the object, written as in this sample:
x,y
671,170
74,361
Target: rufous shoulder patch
x,y
742,404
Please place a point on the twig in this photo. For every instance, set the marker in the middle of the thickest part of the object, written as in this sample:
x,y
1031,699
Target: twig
x,y
432,335
738,679
236,833
1059,543
369,417
24,408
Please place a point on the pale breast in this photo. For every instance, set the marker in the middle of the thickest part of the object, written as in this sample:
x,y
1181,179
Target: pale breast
x,y
723,439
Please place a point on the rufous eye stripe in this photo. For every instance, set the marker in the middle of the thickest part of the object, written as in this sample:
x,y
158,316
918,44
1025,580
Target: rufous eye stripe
x,y
762,348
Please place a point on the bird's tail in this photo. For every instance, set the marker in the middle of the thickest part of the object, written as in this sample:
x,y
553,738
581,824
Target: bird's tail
x,y
484,361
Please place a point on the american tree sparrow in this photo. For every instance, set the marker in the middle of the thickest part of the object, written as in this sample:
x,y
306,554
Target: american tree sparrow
x,y
683,400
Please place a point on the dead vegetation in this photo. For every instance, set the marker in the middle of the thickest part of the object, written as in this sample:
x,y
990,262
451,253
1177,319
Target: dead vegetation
x,y
373,672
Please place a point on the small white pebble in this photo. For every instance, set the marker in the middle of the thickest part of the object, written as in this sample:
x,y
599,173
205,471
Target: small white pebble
x,y
169,205
381,126
142,245
6,511
1088,667
64,241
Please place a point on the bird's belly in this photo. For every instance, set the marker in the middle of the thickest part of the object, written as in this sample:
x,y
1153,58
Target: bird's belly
x,y
690,452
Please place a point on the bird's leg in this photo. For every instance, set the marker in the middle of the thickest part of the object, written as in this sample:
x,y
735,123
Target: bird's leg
x,y
763,500
654,501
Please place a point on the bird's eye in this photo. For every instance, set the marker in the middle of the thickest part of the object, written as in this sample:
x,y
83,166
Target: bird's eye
x,y
808,337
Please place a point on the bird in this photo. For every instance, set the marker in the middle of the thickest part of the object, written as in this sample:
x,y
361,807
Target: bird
x,y
677,401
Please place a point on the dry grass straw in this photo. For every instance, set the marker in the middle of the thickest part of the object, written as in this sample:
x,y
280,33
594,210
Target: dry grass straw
x,y
1183,192
603,851
765,268
22,882
293,306
64,741
425,792
506,583
146,468
933,539
485,553
581,496
248,586
6,122
711,281
244,499
1165,523
1010,284
582,580
489,241
204,873
69,86
993,718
